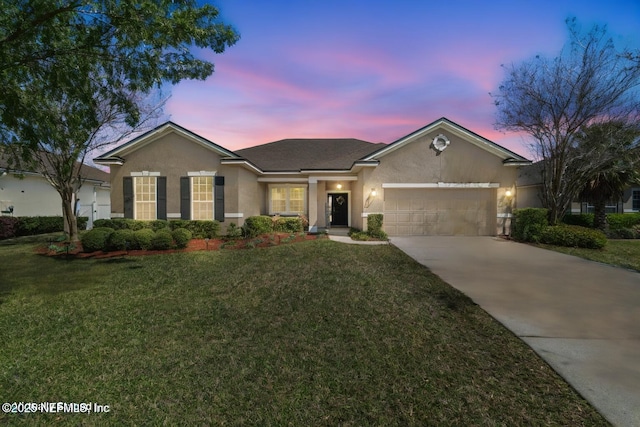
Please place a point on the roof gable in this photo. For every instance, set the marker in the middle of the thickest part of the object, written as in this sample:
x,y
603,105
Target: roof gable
x,y
115,156
507,156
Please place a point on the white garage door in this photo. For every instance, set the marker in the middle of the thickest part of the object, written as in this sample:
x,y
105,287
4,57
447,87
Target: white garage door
x,y
440,212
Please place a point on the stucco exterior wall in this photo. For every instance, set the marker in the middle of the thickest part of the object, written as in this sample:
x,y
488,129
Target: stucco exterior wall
x,y
173,156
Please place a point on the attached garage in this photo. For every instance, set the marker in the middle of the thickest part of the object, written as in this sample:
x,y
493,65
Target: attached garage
x,y
441,211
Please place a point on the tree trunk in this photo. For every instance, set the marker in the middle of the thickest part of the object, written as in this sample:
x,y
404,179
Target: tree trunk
x,y
599,215
69,217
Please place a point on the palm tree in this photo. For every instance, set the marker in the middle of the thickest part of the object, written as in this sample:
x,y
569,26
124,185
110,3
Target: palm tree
x,y
621,171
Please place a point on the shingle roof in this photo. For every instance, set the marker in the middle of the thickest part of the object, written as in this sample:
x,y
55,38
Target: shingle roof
x,y
308,154
88,172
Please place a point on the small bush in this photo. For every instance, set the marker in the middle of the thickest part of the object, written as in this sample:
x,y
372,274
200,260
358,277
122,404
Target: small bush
x,y
288,224
181,236
233,231
573,236
8,227
529,224
121,240
374,223
142,238
257,225
96,239
162,240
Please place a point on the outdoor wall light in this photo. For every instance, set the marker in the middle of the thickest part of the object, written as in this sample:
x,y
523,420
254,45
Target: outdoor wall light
x,y
339,186
508,193
370,198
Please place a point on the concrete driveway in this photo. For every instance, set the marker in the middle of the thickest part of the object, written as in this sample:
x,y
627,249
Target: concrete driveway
x,y
582,317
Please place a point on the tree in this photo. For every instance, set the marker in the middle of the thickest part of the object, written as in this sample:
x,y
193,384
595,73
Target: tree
x,y
70,70
556,100
614,177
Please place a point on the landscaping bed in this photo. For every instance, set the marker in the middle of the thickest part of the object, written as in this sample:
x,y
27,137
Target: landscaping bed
x,y
75,250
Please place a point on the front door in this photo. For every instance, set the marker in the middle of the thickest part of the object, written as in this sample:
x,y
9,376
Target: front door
x,y
339,203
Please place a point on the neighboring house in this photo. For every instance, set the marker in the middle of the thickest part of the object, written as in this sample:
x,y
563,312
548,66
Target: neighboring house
x,y
529,187
441,179
29,193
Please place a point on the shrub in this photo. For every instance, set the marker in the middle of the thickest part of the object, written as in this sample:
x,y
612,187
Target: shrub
x,y
583,220
162,240
618,221
8,227
529,224
233,230
374,227
288,224
623,233
573,236
142,238
202,229
257,225
159,224
181,236
121,240
96,239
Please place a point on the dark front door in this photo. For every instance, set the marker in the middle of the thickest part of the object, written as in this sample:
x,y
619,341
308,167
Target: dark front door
x,y
339,209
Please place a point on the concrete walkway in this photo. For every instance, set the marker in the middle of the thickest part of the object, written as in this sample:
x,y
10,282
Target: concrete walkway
x,y
582,317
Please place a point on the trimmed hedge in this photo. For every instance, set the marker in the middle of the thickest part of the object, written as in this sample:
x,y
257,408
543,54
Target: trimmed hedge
x,y
288,224
143,238
374,227
162,240
181,237
528,224
32,225
8,227
121,240
199,229
626,220
616,221
573,236
583,220
257,225
96,239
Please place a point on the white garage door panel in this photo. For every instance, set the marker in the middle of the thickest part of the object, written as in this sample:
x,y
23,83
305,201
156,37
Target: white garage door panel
x,y
442,212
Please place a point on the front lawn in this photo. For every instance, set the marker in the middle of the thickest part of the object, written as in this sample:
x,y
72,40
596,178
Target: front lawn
x,y
621,253
313,333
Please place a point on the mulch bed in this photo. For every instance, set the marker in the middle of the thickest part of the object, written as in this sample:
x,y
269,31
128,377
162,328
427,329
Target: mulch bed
x,y
263,241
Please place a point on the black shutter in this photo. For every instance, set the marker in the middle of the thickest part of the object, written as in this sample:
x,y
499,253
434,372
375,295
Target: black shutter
x,y
185,198
161,194
127,190
218,198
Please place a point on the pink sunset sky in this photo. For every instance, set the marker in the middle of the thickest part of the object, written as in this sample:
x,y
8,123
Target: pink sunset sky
x,y
375,70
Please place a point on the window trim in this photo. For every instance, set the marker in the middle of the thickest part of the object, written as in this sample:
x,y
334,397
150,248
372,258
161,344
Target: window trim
x,y
288,188
135,195
192,201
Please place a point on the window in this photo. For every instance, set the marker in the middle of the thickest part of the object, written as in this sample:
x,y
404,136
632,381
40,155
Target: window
x,y
202,197
287,199
145,197
636,200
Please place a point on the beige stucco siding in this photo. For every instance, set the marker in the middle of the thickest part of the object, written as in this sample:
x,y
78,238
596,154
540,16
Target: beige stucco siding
x,y
462,162
173,156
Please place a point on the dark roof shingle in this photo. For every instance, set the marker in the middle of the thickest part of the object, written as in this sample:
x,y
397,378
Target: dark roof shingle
x,y
308,154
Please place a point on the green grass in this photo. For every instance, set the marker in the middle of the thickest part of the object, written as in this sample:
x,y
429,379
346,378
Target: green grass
x,y
312,333
621,253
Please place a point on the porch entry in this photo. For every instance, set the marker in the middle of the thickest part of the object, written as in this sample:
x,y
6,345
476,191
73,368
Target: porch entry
x,y
339,209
